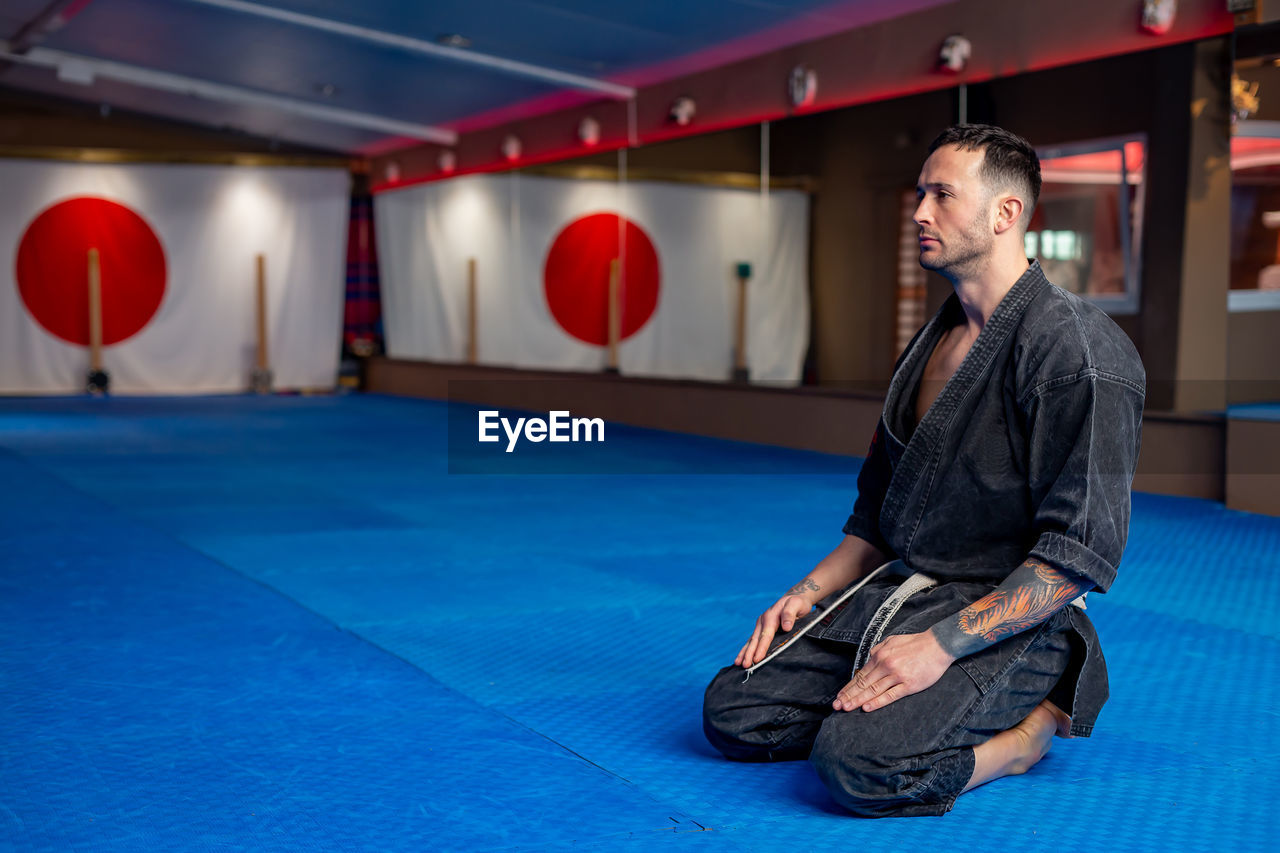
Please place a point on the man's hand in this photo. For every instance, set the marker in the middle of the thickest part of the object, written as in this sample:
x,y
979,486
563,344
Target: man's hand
x,y
783,614
899,666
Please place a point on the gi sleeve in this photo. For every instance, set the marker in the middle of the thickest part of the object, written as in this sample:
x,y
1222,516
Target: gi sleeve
x,y
1084,435
873,482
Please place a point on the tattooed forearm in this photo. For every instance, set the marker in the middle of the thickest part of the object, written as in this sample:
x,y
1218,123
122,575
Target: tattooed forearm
x,y
1032,593
806,585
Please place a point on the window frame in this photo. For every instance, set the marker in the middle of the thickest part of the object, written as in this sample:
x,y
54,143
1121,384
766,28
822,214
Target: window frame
x,y
1241,301
1131,197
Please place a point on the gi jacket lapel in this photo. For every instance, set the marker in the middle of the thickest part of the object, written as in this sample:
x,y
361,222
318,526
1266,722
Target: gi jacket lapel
x,y
913,476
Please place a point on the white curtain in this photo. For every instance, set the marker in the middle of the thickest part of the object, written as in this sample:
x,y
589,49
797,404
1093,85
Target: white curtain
x,y
508,223
211,222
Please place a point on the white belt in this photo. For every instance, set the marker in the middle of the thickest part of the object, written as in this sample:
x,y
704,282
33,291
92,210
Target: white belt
x,y
879,620
886,611
844,596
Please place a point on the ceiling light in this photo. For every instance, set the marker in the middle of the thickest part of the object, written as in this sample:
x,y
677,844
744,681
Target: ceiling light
x,y
1157,16
802,86
453,40
75,71
954,55
682,111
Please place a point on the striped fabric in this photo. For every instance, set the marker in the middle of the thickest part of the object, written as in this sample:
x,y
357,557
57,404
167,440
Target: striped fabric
x,y
362,318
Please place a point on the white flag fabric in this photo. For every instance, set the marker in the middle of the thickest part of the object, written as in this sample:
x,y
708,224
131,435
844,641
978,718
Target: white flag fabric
x,y
178,275
510,224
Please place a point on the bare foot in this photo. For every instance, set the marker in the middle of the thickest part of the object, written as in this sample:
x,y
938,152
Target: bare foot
x,y
1018,749
1034,735
1060,717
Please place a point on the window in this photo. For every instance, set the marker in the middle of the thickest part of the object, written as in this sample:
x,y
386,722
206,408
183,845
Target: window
x,y
1255,217
1087,227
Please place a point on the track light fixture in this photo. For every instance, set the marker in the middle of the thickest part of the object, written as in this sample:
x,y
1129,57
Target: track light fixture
x,y
1157,16
953,56
802,86
682,111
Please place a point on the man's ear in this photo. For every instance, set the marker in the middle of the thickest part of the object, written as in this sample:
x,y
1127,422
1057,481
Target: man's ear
x,y
1008,213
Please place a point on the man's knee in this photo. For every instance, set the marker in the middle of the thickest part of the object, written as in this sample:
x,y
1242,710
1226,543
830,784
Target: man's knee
x,y
858,781
745,732
872,784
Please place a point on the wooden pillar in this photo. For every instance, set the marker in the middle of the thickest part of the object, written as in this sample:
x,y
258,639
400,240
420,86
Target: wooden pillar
x,y
1201,360
740,372
97,381
261,379
615,318
95,311
472,316
262,362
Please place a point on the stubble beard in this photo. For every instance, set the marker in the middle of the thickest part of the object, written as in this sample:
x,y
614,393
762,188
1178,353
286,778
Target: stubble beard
x,y
964,254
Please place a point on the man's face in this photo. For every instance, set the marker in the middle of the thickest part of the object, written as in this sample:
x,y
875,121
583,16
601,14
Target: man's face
x,y
954,212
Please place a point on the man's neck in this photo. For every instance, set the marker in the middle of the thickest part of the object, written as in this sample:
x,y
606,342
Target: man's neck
x,y
981,290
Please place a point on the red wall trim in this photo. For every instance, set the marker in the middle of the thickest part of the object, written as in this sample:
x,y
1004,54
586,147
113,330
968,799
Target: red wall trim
x,y
887,59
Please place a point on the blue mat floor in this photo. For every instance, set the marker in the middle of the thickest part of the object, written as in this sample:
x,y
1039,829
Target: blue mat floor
x,y
280,624
1255,412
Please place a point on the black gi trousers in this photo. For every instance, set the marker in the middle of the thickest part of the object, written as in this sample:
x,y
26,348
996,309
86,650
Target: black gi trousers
x,y
911,757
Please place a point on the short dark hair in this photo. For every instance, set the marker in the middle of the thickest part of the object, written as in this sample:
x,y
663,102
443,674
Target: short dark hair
x,y
1008,159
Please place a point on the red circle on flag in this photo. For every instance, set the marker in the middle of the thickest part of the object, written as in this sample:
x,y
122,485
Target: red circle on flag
x,y
576,276
53,269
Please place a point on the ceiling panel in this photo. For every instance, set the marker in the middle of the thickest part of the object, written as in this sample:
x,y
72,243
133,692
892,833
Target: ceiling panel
x,y
283,59
582,36
14,15
623,38
256,121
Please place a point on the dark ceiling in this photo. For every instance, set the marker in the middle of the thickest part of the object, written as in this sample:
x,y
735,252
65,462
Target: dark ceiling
x,y
368,76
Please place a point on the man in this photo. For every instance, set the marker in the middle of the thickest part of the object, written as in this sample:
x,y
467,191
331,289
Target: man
x,y
999,474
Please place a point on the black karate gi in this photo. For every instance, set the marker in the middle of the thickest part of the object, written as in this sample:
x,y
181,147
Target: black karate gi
x,y
1028,451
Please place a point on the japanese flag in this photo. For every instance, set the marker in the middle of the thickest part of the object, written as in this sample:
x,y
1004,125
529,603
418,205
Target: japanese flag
x,y
176,248
543,249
